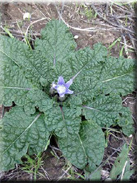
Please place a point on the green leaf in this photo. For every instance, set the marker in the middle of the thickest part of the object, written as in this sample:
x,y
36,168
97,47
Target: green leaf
x,y
21,132
17,52
14,85
126,121
51,51
107,111
118,76
120,163
95,175
39,99
63,120
128,172
56,42
100,74
88,63
85,149
12,50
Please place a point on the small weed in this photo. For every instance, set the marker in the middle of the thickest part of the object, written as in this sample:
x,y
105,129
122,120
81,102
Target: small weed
x,y
88,12
114,43
121,51
71,173
27,38
121,168
96,175
32,165
6,29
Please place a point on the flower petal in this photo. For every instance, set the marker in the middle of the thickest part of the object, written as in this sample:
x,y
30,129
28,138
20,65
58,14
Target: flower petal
x,y
61,81
69,92
54,85
69,83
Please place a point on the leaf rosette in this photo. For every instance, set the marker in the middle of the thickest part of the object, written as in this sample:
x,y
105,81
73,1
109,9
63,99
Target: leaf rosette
x,y
55,87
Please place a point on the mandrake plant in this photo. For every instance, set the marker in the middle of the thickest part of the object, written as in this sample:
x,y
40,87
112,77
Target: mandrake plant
x,y
61,91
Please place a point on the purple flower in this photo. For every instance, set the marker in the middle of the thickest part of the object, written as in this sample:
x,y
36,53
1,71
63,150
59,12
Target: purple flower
x,y
62,87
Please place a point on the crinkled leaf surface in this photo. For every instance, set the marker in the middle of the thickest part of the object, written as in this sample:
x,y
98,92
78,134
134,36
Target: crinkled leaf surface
x,y
54,46
50,52
20,132
14,86
63,120
39,99
100,73
86,148
56,42
107,111
118,76
126,121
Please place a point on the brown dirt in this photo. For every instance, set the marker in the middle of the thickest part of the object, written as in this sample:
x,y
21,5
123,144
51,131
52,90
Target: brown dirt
x,y
12,14
74,14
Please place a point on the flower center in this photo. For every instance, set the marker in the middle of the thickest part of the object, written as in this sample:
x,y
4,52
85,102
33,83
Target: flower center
x,y
61,89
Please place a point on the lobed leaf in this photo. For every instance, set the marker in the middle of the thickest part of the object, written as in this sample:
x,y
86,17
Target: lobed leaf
x,y
85,149
120,164
56,42
107,111
37,99
118,76
99,73
48,59
63,120
14,85
19,133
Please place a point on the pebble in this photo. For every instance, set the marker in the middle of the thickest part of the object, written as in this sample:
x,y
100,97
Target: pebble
x,y
26,16
76,37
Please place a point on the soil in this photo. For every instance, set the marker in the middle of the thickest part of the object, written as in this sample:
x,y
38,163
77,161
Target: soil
x,y
78,17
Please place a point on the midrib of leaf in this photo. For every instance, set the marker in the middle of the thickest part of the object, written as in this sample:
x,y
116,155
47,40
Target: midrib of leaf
x,y
113,78
63,119
15,61
54,49
87,62
50,45
82,146
16,88
34,67
91,108
10,58
107,80
22,132
94,54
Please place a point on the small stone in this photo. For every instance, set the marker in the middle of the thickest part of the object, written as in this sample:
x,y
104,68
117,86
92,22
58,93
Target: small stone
x,y
76,37
26,16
